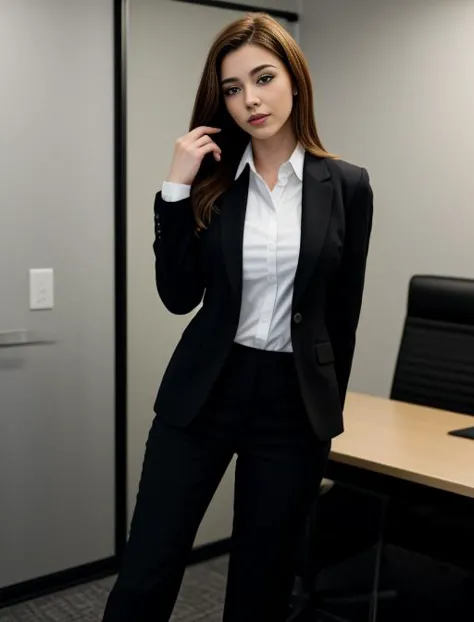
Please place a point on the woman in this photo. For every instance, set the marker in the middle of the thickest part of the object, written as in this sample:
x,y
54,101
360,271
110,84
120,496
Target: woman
x,y
271,232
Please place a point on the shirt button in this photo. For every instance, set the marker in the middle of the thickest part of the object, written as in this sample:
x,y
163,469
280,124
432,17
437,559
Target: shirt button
x,y
297,318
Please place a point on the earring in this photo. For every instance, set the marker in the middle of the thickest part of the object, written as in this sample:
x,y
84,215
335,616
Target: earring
x,y
295,93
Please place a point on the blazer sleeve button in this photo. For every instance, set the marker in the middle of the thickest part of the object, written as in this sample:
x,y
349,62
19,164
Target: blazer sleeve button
x,y
297,318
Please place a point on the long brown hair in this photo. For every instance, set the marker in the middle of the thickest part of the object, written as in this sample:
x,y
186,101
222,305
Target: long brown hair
x,y
213,178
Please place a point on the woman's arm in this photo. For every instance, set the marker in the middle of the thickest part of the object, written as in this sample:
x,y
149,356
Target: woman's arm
x,y
345,299
178,272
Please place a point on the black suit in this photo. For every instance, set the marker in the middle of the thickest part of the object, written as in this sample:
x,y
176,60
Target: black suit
x,y
335,231
218,399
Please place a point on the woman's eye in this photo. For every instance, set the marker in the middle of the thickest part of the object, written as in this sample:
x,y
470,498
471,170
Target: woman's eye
x,y
262,80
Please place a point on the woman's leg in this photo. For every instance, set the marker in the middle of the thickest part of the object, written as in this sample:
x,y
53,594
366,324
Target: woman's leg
x,y
279,469
181,471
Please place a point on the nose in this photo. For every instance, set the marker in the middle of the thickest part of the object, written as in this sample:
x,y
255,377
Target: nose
x,y
251,98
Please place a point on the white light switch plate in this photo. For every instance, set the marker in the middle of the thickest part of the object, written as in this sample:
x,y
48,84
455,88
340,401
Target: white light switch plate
x,y
41,289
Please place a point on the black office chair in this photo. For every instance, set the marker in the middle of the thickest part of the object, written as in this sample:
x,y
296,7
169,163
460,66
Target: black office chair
x,y
435,364
435,367
329,540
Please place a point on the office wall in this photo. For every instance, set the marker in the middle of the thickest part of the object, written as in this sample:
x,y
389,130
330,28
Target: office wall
x,y
168,43
57,415
282,5
394,91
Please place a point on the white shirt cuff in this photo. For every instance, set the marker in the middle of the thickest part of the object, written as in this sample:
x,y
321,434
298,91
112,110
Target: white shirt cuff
x,y
172,192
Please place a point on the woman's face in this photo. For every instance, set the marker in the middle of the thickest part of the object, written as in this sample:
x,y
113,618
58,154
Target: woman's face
x,y
255,82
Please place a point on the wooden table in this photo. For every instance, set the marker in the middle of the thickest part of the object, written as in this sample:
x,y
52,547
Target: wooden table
x,y
407,442
403,454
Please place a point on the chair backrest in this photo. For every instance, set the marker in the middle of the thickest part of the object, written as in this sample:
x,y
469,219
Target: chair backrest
x,y
435,364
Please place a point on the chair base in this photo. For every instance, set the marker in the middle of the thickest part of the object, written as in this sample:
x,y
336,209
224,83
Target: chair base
x,y
307,612
314,609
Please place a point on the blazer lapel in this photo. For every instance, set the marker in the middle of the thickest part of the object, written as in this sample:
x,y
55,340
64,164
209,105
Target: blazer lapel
x,y
232,219
315,218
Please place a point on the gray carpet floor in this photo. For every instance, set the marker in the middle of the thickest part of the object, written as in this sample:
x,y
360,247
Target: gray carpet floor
x,y
201,599
427,592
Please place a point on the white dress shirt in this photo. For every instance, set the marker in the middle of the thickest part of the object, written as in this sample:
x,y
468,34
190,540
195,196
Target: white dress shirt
x,y
271,249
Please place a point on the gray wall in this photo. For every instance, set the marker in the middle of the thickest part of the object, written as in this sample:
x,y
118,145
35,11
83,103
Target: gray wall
x,y
295,6
394,91
57,439
282,5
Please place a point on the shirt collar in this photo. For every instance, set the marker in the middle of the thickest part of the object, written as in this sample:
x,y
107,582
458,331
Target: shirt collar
x,y
295,163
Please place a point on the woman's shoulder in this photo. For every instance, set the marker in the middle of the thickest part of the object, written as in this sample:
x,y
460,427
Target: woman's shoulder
x,y
347,173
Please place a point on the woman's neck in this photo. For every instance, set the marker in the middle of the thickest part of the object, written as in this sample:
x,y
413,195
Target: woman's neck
x,y
271,153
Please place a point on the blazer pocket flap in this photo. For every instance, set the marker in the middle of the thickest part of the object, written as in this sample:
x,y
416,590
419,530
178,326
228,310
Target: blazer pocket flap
x,y
324,352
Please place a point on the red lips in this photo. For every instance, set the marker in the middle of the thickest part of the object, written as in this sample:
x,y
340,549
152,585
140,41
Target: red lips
x,y
255,117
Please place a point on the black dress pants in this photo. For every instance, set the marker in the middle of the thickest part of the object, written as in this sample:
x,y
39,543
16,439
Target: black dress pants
x,y
255,411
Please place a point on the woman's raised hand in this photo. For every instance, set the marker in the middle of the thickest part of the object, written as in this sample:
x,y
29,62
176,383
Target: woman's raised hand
x,y
189,152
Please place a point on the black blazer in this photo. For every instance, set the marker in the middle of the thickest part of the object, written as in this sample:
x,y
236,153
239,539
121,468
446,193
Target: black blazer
x,y
335,231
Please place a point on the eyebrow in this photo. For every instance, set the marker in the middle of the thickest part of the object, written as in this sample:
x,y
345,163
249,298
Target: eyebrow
x,y
253,72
